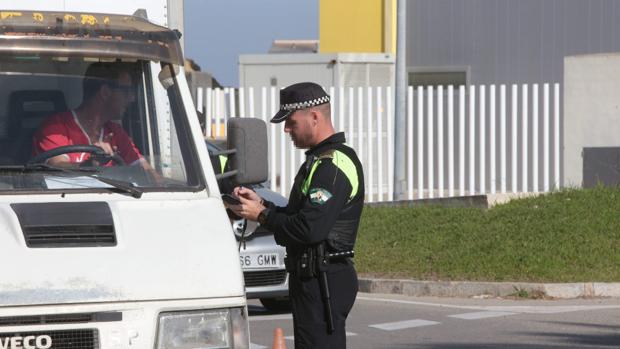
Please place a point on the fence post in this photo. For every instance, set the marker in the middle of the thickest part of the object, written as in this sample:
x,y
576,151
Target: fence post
x,y
272,138
546,137
502,135
241,102
379,120
251,107
209,113
493,141
218,110
472,144
420,118
514,103
369,137
450,140
535,138
556,134
524,135
482,137
461,140
430,142
390,144
440,159
409,142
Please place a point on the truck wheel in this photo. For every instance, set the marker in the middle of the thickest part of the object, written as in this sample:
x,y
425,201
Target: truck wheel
x,y
276,304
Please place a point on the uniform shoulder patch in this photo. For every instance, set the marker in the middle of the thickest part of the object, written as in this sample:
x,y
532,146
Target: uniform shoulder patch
x,y
319,195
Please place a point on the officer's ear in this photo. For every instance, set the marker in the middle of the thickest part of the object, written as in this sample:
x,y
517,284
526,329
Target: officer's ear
x,y
314,117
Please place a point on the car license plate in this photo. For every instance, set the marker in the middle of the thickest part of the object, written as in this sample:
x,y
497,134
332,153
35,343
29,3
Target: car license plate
x,y
259,260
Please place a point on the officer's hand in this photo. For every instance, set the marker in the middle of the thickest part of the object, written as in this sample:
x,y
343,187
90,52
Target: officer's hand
x,y
249,209
247,193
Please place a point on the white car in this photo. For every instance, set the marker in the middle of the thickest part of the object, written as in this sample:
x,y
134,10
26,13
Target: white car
x,y
262,260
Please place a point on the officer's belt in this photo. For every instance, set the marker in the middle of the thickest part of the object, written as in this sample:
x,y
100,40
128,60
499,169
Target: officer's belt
x,y
290,262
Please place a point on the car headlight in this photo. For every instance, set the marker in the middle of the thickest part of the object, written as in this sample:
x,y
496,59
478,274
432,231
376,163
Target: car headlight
x,y
220,328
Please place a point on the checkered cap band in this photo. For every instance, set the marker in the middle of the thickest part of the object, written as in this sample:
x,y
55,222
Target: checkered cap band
x,y
305,104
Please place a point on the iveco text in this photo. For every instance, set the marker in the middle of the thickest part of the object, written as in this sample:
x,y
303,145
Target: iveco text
x,y
27,342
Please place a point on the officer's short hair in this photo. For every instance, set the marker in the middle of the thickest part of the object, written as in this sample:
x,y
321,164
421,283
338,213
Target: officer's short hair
x,y
101,73
325,109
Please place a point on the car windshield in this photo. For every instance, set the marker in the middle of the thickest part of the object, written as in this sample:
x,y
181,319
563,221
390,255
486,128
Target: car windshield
x,y
70,123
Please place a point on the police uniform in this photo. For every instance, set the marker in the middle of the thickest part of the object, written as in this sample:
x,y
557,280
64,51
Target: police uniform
x,y
324,209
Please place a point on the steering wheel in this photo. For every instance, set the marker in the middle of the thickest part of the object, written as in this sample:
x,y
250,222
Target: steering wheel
x,y
96,154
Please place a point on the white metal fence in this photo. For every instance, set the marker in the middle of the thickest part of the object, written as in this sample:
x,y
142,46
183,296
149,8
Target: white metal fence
x,y
459,140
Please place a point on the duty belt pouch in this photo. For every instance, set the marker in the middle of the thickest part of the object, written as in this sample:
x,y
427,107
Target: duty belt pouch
x,y
289,264
306,264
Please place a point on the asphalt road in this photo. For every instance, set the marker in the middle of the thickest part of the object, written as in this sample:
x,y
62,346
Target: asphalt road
x,y
398,322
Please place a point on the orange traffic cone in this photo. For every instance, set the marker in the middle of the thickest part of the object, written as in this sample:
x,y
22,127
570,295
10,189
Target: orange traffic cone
x,y
278,339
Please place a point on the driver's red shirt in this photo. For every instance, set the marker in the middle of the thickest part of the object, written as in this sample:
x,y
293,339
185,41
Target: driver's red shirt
x,y
64,129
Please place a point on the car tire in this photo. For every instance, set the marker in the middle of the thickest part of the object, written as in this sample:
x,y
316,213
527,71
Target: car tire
x,y
276,304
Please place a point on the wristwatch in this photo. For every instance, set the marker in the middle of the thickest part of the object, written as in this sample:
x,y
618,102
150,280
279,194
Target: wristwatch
x,y
262,216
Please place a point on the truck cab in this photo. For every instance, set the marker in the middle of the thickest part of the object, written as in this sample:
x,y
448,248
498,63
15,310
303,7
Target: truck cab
x,y
108,253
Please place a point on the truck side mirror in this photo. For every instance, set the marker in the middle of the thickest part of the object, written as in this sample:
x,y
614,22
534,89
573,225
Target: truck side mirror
x,y
248,136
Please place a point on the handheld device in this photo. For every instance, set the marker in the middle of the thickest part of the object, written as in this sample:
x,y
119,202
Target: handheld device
x,y
231,199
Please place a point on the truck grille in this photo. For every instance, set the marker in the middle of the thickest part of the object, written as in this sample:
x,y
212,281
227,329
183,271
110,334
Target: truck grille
x,y
60,319
66,224
70,236
66,339
264,278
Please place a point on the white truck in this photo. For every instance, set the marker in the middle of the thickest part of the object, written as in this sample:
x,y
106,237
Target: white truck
x,y
97,256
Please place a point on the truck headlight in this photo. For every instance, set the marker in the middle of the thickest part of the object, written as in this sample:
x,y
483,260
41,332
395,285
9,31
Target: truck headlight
x,y
219,328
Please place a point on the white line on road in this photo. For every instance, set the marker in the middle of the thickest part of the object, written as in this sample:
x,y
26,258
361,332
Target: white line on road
x,y
481,315
538,309
257,346
401,325
292,338
271,317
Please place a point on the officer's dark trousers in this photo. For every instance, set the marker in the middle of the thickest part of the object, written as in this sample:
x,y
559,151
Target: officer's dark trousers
x,y
309,313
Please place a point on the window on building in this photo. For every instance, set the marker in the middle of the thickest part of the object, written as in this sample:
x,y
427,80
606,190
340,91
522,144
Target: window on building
x,y
437,78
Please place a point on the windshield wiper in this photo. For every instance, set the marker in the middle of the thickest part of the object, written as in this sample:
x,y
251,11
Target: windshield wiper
x,y
91,172
127,187
46,167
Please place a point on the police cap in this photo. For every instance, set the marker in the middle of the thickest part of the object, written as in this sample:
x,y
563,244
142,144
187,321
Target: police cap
x,y
299,96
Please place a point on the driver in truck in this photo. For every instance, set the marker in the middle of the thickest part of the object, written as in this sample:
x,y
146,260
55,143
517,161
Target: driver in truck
x,y
107,91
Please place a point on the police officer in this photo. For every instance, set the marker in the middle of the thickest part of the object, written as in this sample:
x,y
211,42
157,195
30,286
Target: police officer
x,y
319,225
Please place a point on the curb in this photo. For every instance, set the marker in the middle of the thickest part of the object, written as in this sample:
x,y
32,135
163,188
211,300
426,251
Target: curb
x,y
487,289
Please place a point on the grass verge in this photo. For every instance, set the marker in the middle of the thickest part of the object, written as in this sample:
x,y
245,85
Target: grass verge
x,y
567,236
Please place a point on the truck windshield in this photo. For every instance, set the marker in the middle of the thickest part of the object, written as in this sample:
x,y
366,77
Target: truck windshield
x,y
101,122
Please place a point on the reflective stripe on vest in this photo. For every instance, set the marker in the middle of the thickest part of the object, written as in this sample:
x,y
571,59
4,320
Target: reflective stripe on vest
x,y
223,160
344,164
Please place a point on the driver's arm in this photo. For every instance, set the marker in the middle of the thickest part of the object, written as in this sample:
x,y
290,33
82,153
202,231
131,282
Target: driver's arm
x,y
119,141
51,135
60,161
122,143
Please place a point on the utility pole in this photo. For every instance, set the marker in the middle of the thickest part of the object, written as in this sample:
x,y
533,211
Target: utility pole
x,y
400,122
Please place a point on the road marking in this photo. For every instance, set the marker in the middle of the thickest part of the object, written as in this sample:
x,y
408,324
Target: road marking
x,y
401,325
271,317
481,315
257,346
538,309
292,338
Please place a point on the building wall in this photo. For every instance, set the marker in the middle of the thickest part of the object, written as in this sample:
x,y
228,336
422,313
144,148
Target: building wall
x,y
591,104
354,25
508,41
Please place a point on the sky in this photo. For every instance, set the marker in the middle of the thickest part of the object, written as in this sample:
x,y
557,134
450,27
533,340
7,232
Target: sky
x,y
218,31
